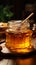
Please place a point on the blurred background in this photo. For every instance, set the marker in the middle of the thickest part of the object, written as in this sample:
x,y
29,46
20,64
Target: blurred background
x,y
17,9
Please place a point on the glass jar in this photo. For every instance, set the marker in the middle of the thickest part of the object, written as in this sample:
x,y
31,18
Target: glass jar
x,y
18,37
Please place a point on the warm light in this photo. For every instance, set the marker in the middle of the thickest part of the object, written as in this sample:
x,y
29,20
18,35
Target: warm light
x,y
25,46
20,43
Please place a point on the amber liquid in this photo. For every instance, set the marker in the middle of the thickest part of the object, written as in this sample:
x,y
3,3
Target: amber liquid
x,y
18,42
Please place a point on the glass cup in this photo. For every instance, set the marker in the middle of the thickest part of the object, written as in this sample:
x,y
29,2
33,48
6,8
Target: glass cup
x,y
18,37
